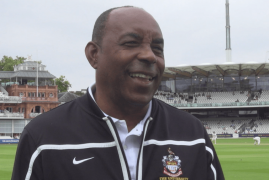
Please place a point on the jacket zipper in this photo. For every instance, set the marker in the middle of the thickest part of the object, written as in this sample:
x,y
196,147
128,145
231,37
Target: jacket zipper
x,y
121,155
140,155
124,167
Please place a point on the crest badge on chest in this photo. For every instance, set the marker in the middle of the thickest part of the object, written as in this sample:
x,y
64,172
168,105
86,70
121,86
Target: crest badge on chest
x,y
172,164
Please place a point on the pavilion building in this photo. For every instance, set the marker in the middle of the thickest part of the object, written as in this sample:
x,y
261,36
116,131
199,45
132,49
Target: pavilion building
x,y
25,93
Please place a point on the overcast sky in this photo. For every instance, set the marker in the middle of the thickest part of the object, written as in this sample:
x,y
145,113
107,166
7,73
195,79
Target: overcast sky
x,y
56,32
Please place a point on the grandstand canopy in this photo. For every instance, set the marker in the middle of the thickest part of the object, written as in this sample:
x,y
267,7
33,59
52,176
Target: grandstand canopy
x,y
228,76
223,69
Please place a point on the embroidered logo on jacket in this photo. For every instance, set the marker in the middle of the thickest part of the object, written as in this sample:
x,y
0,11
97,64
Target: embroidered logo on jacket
x,y
172,164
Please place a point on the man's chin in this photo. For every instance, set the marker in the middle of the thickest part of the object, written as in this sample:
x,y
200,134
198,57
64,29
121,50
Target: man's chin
x,y
140,101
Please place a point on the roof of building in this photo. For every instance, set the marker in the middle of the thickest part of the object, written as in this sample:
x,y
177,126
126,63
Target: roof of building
x,y
66,96
31,63
6,74
30,71
207,68
41,74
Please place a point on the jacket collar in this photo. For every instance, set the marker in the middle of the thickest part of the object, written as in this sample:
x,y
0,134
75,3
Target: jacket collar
x,y
91,91
89,105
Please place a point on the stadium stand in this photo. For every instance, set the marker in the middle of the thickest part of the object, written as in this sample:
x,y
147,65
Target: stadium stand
x,y
171,98
260,126
264,96
5,137
228,126
223,126
211,97
220,97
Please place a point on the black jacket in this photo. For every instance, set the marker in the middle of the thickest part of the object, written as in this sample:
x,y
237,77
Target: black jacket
x,y
75,141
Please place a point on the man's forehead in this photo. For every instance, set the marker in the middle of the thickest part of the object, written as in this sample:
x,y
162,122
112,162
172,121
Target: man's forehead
x,y
130,18
128,12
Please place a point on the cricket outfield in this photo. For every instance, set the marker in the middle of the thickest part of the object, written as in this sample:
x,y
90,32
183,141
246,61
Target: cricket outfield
x,y
240,159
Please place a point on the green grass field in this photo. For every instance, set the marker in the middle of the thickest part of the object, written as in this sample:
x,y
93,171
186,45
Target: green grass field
x,y
7,156
240,159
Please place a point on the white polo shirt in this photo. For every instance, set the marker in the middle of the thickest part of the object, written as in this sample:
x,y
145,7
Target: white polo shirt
x,y
130,141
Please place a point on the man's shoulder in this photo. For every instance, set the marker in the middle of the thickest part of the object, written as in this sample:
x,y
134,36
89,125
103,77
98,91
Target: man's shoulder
x,y
178,123
64,123
55,117
173,112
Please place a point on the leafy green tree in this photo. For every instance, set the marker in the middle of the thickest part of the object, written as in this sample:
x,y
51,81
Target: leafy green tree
x,y
8,63
62,83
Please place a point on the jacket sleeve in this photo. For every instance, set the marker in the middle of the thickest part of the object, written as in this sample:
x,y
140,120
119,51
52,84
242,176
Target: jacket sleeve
x,y
25,150
214,170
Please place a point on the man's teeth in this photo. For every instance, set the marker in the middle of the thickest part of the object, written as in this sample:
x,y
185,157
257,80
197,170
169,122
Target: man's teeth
x,y
141,76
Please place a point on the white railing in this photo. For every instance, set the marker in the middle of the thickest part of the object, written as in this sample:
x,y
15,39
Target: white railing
x,y
33,115
8,115
260,103
10,99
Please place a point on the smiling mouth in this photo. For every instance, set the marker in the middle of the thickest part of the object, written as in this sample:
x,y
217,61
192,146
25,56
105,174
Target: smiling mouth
x,y
143,76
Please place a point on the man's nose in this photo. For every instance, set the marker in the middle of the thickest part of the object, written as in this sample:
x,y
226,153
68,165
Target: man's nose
x,y
147,55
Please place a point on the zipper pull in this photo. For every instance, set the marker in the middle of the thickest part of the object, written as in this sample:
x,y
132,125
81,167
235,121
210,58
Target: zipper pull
x,y
139,165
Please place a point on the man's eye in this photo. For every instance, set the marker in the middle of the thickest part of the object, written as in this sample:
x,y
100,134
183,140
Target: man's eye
x,y
131,43
158,49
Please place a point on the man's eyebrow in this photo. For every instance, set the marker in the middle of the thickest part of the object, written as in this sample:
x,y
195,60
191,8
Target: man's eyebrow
x,y
139,37
133,35
158,41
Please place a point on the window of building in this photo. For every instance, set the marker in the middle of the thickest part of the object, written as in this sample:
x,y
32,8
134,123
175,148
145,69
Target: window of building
x,y
231,80
18,126
247,80
215,81
263,80
5,126
183,84
166,84
9,109
199,82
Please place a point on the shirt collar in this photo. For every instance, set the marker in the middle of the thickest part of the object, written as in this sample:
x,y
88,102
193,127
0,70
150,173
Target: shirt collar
x,y
92,89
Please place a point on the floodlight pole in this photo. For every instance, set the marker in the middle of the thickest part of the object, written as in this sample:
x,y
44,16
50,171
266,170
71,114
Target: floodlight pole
x,y
37,79
266,56
228,34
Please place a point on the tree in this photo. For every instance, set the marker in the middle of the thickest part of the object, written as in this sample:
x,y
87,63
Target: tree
x,y
62,83
8,63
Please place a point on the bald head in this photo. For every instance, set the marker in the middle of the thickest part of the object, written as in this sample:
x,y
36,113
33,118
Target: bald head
x,y
101,22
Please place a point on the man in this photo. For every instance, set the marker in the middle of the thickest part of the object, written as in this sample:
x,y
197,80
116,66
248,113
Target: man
x,y
117,130
257,140
214,137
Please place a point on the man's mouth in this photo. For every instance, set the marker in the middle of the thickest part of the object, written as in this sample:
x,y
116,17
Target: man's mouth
x,y
140,75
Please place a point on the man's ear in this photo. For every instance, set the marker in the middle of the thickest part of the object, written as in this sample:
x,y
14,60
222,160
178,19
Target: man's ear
x,y
91,51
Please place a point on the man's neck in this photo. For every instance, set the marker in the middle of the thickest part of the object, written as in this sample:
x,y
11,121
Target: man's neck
x,y
132,114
